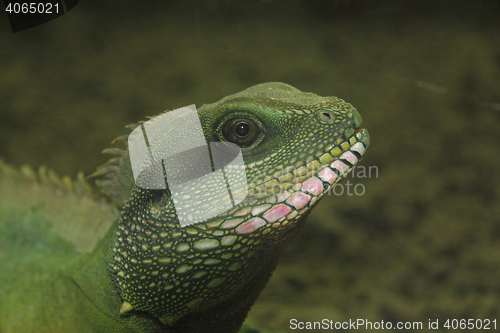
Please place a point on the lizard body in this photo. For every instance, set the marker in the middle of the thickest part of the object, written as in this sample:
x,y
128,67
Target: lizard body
x,y
149,273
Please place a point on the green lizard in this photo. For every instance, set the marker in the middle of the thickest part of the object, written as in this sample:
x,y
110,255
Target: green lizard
x,y
70,265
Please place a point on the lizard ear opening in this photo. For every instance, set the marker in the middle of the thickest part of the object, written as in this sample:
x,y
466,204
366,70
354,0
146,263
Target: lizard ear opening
x,y
159,199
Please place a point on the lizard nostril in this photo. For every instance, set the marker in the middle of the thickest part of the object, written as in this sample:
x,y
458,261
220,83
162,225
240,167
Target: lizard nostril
x,y
325,116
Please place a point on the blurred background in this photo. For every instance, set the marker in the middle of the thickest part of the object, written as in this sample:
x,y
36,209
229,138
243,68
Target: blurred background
x,y
421,243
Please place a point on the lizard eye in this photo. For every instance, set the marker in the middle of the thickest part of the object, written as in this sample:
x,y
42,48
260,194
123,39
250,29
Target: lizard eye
x,y
241,131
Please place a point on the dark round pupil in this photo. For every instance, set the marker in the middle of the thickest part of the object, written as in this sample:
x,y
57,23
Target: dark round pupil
x,y
242,129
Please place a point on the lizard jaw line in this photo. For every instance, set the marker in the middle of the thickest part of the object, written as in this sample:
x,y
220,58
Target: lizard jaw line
x,y
291,204
347,161
337,170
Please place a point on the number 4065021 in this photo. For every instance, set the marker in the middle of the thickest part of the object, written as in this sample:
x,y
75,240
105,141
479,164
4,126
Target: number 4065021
x,y
32,8
471,324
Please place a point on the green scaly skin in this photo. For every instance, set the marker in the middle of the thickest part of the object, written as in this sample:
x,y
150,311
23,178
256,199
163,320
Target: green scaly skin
x,y
149,274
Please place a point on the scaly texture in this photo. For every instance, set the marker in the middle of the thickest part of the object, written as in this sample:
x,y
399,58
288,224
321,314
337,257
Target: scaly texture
x,y
177,273
150,274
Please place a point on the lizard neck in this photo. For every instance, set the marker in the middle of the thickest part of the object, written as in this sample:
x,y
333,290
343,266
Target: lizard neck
x,y
103,300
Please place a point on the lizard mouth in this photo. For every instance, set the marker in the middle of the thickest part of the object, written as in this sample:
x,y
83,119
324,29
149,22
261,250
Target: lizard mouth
x,y
344,156
318,174
310,183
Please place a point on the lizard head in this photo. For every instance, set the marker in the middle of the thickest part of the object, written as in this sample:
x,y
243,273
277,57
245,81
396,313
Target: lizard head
x,y
294,146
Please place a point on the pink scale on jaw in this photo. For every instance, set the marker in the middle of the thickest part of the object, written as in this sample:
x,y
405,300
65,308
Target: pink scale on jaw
x,y
358,147
250,226
341,167
277,212
298,199
313,185
348,156
328,175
